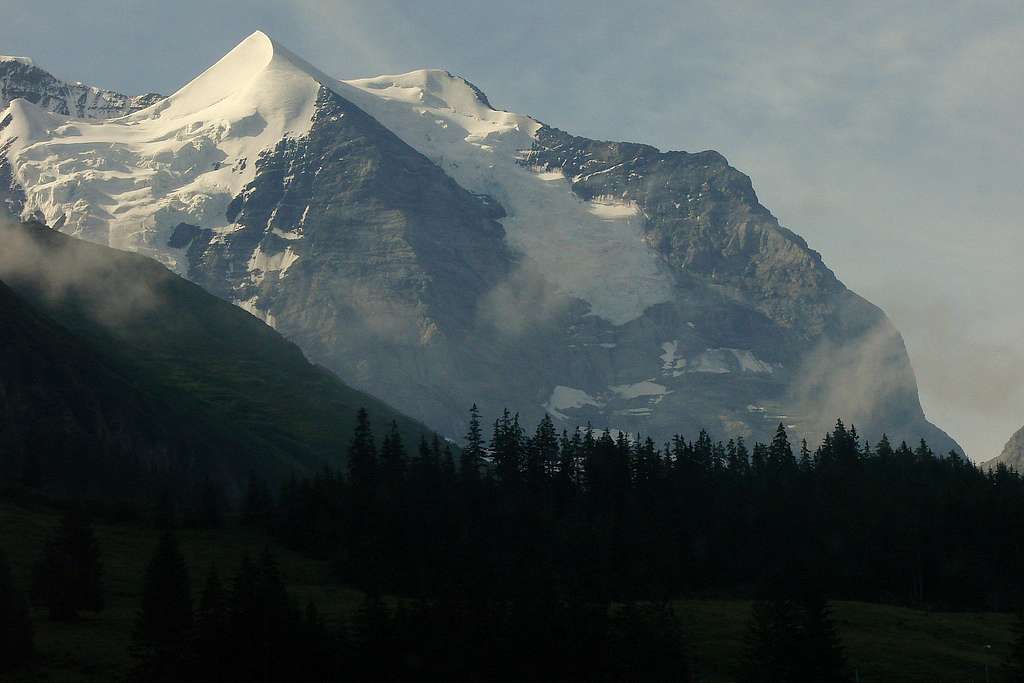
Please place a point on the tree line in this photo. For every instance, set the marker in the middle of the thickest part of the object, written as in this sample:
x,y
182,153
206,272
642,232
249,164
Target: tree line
x,y
544,555
616,517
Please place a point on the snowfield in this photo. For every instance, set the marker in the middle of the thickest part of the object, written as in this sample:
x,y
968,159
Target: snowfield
x,y
590,250
128,182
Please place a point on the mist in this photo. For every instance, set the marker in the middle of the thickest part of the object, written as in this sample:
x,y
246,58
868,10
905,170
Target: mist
x,y
64,270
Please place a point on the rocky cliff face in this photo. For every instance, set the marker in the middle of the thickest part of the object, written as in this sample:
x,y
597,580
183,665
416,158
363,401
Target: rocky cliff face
x,y
1012,455
20,78
437,252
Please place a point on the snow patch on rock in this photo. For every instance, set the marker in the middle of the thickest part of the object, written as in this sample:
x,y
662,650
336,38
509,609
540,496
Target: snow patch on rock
x,y
260,264
647,387
21,60
568,398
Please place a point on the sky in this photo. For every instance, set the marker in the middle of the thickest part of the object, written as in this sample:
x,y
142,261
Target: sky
x,y
887,134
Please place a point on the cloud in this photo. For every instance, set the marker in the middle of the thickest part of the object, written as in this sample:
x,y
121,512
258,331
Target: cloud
x,y
65,270
522,302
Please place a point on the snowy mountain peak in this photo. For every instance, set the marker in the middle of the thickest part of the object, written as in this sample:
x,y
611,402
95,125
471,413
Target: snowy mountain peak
x,y
183,159
20,60
254,65
431,88
401,227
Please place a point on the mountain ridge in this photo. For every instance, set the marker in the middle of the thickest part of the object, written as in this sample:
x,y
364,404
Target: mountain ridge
x,y
20,78
610,282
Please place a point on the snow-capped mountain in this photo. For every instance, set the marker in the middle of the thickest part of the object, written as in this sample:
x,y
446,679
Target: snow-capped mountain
x,y
20,78
435,251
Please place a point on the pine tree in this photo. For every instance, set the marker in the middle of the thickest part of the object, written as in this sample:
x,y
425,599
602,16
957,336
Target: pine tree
x,y
507,450
806,460
69,575
161,641
473,453
16,635
772,642
362,454
392,460
541,457
821,650
737,458
780,453
884,449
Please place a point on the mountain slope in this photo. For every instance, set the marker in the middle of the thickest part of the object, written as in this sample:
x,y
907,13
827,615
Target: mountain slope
x,y
142,374
1013,453
437,252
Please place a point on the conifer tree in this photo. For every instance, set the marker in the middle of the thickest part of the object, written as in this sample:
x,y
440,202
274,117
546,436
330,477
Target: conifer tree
x,y
780,453
884,448
69,575
806,461
447,463
473,453
772,642
507,450
821,650
541,456
362,454
163,628
759,459
16,635
392,458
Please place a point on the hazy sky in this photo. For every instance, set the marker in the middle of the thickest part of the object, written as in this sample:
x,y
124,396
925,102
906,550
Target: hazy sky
x,y
888,134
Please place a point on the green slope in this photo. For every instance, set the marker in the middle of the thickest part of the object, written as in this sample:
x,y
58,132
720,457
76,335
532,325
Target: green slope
x,y
193,383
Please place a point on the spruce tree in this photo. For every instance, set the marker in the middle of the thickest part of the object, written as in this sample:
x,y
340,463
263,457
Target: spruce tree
x,y
69,575
780,453
473,453
821,650
884,449
163,628
362,454
393,459
772,642
16,635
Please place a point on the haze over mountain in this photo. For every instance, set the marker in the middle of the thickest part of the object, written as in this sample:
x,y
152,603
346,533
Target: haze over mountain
x,y
436,252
